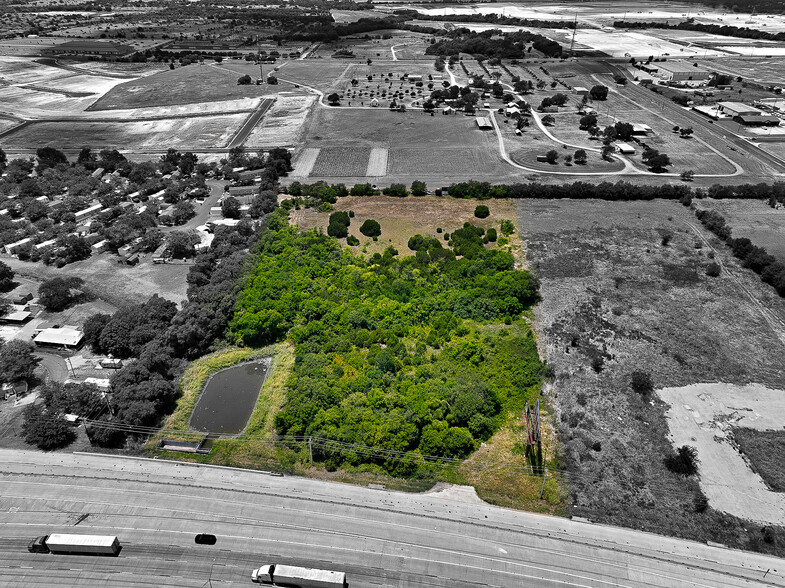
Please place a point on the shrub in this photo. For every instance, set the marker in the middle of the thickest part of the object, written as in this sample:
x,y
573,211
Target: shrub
x,y
419,188
338,230
641,383
371,228
352,240
507,227
713,269
482,211
490,235
684,461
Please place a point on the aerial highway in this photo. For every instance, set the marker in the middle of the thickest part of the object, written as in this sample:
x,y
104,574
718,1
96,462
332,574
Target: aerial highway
x,y
378,537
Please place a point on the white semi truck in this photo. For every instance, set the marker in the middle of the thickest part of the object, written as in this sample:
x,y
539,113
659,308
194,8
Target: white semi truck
x,y
296,577
63,543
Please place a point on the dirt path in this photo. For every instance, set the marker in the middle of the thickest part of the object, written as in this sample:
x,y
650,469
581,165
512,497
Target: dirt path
x,y
702,415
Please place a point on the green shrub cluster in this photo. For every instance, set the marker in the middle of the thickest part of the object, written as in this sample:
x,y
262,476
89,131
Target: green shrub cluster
x,y
401,353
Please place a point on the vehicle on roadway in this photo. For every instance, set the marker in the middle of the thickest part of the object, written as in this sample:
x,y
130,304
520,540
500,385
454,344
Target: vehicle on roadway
x,y
280,575
82,544
205,539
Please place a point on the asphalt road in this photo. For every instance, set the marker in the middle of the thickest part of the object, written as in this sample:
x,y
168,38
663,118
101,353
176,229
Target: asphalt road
x,y
378,537
250,123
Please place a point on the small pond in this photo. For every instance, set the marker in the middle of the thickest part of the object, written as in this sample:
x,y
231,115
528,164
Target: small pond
x,y
228,399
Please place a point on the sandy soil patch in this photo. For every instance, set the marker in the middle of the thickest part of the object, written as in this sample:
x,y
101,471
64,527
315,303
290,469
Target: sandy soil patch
x,y
282,125
702,415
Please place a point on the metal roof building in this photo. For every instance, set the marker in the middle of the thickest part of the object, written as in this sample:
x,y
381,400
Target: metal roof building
x,y
67,337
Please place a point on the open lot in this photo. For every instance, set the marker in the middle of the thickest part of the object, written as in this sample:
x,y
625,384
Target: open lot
x,y
761,69
756,220
184,85
616,300
181,133
706,416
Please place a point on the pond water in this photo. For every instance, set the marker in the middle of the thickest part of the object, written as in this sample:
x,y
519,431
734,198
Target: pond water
x,y
228,400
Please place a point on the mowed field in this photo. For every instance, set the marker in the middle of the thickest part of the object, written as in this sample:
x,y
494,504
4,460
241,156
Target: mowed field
x,y
283,124
417,144
180,133
756,220
615,299
184,85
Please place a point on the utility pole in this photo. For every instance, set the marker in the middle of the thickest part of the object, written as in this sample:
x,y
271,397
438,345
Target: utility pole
x,y
544,477
310,450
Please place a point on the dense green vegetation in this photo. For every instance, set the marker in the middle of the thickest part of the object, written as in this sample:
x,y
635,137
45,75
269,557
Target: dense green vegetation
x,y
401,353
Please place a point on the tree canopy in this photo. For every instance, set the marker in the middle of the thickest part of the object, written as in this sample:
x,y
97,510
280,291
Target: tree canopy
x,y
390,351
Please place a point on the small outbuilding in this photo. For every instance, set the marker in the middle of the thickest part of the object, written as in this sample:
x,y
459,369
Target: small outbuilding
x,y
483,123
625,148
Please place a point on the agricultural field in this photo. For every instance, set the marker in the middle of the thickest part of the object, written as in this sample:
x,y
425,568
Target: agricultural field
x,y
184,85
283,124
624,288
754,219
449,148
760,69
341,161
187,134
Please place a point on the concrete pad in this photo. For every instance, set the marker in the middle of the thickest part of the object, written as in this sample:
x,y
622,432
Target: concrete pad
x,y
703,415
455,493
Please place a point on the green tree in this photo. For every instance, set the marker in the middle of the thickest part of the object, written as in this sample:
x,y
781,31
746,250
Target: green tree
x,y
371,228
57,294
334,99
599,92
49,157
6,277
181,243
419,188
552,156
230,207
507,227
17,361
46,429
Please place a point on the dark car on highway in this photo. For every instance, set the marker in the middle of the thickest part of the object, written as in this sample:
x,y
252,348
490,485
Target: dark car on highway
x,y
205,539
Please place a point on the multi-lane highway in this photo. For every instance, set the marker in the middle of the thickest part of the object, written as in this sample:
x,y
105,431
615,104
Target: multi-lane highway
x,y
379,538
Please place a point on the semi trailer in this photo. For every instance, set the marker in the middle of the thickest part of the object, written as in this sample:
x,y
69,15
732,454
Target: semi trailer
x,y
82,544
297,577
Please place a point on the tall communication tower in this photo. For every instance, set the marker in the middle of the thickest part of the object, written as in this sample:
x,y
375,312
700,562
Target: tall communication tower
x,y
574,30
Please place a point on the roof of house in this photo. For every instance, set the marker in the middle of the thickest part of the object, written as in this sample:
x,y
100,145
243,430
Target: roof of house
x,y
738,107
90,45
18,316
62,336
483,122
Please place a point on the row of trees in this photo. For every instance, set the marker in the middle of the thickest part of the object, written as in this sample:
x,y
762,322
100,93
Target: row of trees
x,y
752,256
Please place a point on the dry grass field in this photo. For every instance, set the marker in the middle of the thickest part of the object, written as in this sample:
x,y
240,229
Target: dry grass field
x,y
764,449
181,133
616,300
756,220
402,218
184,85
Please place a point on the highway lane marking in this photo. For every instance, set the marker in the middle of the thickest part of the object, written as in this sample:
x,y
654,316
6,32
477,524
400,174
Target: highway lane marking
x,y
566,537
638,570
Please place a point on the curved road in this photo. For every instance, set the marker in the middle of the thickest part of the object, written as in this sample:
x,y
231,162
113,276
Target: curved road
x,y
379,538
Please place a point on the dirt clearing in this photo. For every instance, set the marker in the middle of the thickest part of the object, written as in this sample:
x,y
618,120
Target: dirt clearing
x,y
703,415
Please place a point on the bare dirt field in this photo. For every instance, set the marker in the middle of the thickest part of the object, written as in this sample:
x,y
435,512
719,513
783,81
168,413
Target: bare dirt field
x,y
185,133
756,220
283,124
704,416
616,299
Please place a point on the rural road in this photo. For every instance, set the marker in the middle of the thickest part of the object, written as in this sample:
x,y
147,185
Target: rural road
x,y
378,537
55,366
250,123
